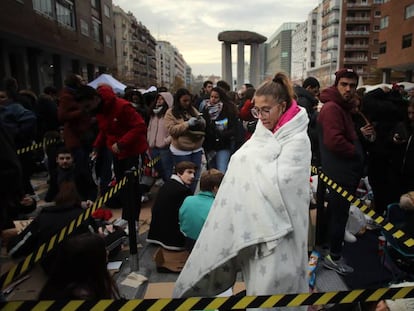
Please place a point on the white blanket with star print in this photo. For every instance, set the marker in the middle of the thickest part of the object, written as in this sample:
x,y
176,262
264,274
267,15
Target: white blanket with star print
x,y
258,223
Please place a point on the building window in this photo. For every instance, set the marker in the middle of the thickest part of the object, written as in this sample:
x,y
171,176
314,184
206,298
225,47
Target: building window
x,y
65,13
378,1
43,6
107,11
377,14
406,41
96,30
384,22
84,27
95,4
383,48
409,11
108,41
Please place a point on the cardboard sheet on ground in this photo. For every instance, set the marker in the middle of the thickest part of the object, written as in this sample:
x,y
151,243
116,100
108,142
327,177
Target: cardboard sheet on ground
x,y
170,261
134,280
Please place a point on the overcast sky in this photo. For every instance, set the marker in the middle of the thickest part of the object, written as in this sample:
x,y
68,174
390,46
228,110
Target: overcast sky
x,y
192,26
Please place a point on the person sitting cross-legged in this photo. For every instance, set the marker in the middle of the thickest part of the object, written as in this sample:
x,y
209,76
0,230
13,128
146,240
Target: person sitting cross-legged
x,y
50,221
195,208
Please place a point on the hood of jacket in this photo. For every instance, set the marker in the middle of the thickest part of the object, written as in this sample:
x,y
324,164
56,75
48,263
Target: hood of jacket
x,y
331,94
107,94
168,98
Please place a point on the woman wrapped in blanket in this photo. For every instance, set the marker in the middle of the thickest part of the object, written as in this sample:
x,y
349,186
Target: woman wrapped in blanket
x,y
258,223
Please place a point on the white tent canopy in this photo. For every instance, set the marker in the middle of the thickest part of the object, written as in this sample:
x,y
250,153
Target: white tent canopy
x,y
104,78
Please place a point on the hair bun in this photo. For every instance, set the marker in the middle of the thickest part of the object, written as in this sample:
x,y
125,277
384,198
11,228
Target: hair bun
x,y
278,79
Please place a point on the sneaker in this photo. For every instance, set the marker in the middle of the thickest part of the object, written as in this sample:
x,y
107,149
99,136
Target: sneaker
x,y
145,198
349,237
337,265
159,182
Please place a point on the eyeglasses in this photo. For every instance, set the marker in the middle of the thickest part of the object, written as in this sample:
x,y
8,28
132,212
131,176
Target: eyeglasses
x,y
265,111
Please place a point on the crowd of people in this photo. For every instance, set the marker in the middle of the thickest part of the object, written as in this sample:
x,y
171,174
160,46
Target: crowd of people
x,y
233,167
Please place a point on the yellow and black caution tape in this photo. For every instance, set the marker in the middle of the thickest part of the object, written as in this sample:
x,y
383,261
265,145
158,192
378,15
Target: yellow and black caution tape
x,y
27,263
217,303
36,146
379,219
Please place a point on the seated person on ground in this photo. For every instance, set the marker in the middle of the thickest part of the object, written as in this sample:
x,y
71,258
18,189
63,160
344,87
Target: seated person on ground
x,y
50,221
194,210
165,229
18,209
80,271
67,170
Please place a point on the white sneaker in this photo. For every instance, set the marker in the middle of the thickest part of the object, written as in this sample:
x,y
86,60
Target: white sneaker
x,y
159,182
145,198
349,237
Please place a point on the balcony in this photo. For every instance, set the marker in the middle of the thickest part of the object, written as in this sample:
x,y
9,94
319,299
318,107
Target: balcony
x,y
356,46
358,5
357,19
329,10
330,35
356,60
357,33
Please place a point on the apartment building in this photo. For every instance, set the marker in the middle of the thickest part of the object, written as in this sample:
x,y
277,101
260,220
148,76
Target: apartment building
x,y
278,50
359,44
396,46
135,51
299,48
173,71
41,41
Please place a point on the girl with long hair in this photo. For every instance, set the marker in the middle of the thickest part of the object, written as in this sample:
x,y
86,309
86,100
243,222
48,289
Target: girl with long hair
x,y
187,130
221,129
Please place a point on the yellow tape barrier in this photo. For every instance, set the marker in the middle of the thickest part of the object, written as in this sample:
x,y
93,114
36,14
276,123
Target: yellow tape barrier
x,y
219,303
379,219
28,262
36,146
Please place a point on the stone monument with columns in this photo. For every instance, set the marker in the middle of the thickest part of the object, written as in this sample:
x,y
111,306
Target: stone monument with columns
x,y
241,38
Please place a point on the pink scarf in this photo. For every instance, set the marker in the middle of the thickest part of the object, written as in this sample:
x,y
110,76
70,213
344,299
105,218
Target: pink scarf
x,y
287,116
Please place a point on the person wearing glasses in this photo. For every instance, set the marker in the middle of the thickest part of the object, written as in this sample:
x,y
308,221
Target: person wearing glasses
x,y
258,223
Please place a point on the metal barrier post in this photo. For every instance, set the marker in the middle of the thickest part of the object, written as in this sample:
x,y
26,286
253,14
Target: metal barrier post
x,y
132,192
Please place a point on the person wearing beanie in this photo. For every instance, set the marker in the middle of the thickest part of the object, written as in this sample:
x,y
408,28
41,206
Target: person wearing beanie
x,y
341,159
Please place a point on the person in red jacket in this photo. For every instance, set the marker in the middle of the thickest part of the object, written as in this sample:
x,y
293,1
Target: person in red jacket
x,y
121,129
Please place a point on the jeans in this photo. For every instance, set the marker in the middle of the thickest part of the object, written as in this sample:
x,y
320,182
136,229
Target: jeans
x,y
165,165
338,211
196,159
221,160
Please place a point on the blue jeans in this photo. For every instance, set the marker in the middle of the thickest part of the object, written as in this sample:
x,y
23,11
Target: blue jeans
x,y
165,165
196,159
221,160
